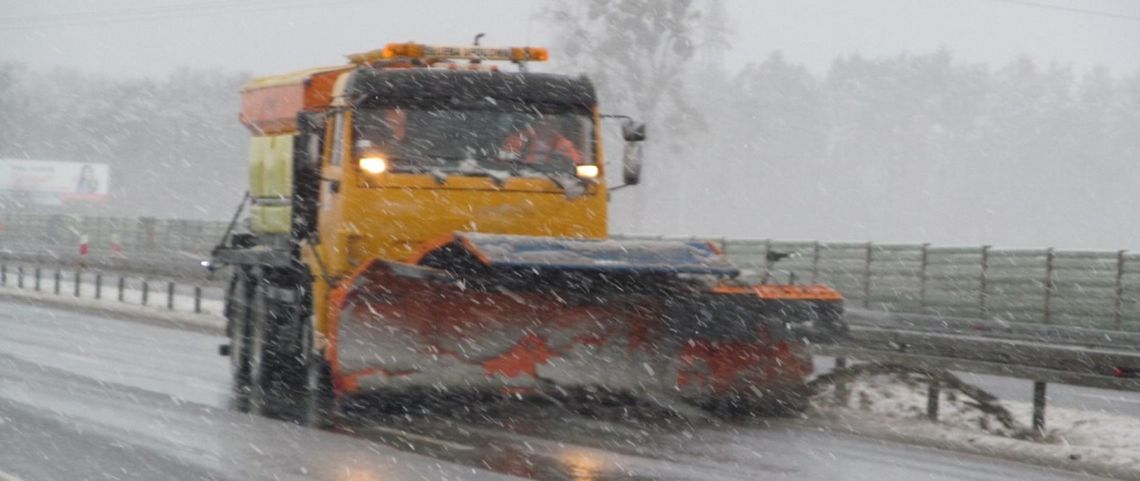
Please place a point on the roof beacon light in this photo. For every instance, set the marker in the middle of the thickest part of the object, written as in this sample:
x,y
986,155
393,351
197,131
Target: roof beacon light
x,y
442,52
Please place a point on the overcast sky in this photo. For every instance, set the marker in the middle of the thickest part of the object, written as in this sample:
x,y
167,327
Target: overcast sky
x,y
263,36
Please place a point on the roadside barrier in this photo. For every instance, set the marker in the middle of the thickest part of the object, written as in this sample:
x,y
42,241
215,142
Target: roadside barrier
x,y
131,287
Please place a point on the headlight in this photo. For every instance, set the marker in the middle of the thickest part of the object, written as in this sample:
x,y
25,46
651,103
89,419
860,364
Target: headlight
x,y
587,171
373,165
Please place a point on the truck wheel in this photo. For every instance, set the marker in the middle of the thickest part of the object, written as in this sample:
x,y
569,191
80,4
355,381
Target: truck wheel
x,y
320,402
237,312
276,372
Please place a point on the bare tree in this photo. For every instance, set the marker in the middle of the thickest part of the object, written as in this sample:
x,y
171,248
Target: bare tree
x,y
637,51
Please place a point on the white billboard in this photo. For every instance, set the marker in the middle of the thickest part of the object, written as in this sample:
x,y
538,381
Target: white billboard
x,y
53,182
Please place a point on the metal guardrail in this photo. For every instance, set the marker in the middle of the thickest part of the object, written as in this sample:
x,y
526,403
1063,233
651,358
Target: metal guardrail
x,y
137,287
1077,356
1092,289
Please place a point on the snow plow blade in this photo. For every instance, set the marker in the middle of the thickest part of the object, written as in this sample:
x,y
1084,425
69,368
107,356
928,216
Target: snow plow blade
x,y
499,312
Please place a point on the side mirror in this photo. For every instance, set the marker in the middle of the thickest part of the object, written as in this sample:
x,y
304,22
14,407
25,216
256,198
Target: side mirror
x,y
631,161
632,131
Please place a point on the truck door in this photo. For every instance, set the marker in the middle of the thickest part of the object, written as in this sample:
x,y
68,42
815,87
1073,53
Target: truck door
x,y
331,211
308,152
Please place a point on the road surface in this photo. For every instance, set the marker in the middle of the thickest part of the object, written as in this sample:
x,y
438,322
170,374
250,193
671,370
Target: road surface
x,y
88,397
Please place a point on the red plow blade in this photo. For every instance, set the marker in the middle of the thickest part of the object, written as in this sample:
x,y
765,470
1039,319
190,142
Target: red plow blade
x,y
469,323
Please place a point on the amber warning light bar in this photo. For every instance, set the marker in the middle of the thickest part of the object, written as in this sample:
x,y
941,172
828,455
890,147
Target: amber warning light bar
x,y
440,52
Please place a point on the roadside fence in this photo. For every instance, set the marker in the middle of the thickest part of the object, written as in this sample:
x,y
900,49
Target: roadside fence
x,y
73,280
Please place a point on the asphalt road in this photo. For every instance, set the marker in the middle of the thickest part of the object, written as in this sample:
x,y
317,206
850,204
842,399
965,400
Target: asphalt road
x,y
86,397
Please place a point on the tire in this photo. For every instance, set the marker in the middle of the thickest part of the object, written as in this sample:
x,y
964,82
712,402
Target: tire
x,y
276,367
237,313
320,401
260,361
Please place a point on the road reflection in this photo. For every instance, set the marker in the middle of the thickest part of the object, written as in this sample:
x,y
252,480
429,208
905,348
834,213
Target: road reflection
x,y
583,465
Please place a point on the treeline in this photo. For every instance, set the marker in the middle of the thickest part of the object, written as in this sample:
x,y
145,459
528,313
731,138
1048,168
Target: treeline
x,y
913,147
908,148
174,145
917,147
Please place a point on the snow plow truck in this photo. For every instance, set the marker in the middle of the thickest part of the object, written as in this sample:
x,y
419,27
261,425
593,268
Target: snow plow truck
x,y
423,220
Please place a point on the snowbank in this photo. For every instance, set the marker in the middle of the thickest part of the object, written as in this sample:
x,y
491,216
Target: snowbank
x,y
894,407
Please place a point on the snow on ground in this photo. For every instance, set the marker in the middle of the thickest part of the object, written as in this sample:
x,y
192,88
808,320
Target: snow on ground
x,y
894,406
210,318
1090,435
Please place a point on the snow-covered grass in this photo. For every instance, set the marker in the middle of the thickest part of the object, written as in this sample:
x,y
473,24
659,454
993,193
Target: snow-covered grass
x,y
894,406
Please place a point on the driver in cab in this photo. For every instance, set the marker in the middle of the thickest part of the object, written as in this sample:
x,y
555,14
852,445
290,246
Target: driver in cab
x,y
540,143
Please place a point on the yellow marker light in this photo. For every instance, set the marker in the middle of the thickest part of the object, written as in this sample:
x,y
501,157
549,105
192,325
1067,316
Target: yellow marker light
x,y
410,50
587,171
373,165
529,54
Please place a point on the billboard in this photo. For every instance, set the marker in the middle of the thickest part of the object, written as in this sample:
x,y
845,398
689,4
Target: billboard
x,y
53,182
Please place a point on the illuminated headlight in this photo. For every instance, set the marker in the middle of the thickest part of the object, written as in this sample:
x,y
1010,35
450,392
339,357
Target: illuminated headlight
x,y
373,165
587,171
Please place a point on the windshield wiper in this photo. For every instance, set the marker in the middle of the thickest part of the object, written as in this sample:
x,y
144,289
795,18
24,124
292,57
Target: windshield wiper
x,y
570,185
469,166
439,175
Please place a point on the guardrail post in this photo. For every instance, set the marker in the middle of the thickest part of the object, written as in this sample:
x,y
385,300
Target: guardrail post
x,y
841,394
145,291
767,260
20,277
122,287
37,278
170,295
197,299
56,278
867,276
3,274
1039,407
1118,307
923,262
98,285
982,281
933,391
1049,257
78,273
814,262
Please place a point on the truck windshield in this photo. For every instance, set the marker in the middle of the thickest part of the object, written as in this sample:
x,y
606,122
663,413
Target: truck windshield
x,y
515,142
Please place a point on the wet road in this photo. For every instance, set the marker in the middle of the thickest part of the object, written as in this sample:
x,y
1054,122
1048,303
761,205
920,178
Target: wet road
x,y
86,397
